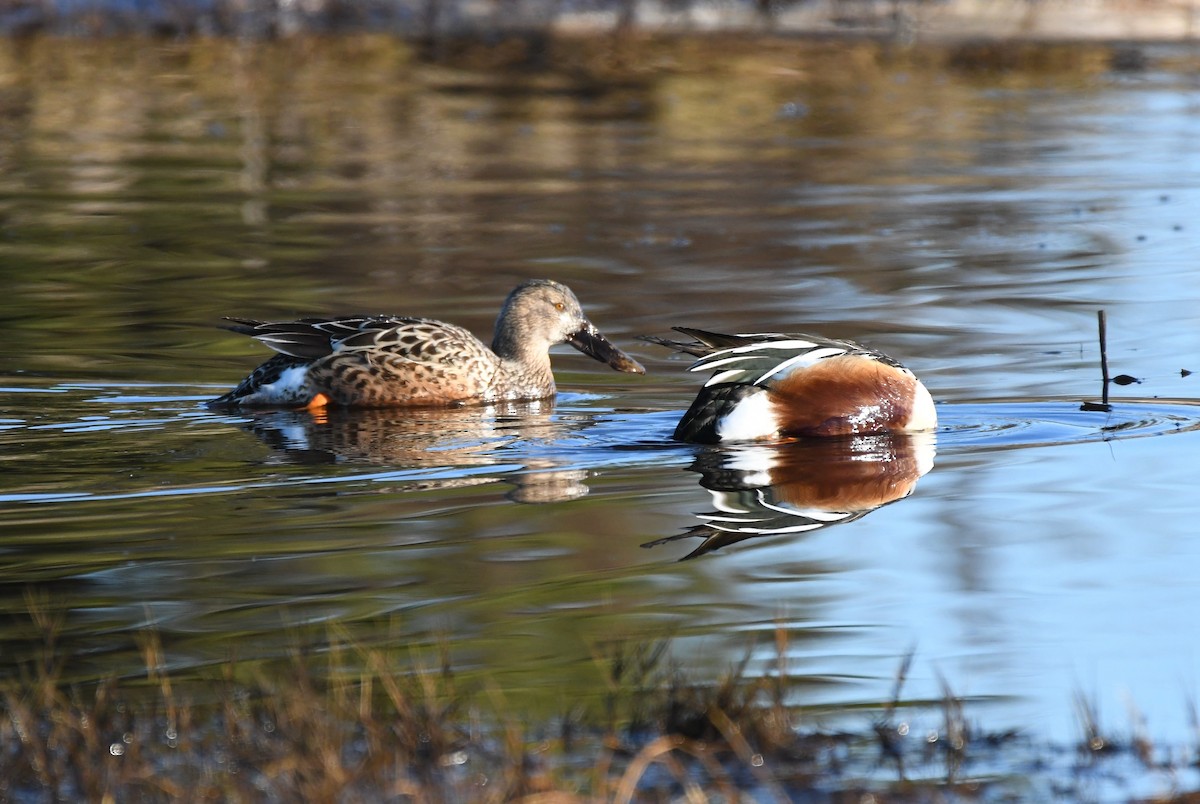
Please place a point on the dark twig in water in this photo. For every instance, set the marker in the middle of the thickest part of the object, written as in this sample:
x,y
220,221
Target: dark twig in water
x,y
1103,324
1102,405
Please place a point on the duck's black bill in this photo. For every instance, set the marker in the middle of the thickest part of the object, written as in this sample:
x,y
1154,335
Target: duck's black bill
x,y
589,341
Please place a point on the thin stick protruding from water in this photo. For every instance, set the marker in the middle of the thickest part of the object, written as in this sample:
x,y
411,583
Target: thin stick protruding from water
x,y
1102,323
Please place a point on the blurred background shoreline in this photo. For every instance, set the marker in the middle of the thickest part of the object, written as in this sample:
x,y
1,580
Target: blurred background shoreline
x,y
903,20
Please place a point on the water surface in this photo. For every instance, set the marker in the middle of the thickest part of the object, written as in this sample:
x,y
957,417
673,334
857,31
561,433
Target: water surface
x,y
966,219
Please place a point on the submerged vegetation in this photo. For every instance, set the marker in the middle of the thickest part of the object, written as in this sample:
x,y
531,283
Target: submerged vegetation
x,y
356,724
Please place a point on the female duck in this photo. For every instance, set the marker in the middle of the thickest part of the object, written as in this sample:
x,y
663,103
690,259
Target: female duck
x,y
775,385
395,361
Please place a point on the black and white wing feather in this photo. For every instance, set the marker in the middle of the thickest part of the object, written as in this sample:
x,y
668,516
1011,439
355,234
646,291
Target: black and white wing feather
x,y
754,358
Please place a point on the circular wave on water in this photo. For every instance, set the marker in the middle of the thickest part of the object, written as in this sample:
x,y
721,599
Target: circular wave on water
x,y
1048,422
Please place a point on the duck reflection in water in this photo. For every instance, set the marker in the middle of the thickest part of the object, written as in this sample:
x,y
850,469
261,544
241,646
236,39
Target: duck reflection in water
x,y
803,486
459,441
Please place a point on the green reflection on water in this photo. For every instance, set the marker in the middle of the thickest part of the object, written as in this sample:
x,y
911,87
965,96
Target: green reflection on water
x,y
153,188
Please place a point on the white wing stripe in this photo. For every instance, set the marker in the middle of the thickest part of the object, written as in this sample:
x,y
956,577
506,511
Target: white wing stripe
x,y
788,345
758,351
709,363
828,351
714,517
808,358
781,367
722,376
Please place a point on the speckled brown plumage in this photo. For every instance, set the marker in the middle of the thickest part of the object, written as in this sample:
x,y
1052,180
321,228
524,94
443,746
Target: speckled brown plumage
x,y
396,361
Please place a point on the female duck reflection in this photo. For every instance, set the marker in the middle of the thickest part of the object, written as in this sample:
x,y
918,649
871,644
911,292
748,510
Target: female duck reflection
x,y
773,386
434,447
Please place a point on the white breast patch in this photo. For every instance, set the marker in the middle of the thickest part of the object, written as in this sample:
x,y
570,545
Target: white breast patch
x,y
750,419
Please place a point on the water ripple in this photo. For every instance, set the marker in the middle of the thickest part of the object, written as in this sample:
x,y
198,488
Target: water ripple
x,y
1010,425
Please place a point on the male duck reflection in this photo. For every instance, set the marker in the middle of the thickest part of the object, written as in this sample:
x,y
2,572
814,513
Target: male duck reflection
x,y
395,361
793,488
775,385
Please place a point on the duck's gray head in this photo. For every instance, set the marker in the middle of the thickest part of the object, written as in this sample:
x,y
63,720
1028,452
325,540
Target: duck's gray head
x,y
540,313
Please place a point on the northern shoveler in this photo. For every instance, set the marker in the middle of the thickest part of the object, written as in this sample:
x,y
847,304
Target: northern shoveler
x,y
776,385
395,361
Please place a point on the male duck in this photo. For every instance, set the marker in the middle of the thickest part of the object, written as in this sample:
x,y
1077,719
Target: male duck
x,y
395,361
776,385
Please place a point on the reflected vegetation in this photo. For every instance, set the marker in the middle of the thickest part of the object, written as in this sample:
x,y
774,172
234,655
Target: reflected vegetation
x,y
349,175
789,489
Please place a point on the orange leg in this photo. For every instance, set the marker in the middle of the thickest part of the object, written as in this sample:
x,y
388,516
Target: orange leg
x,y
317,407
318,402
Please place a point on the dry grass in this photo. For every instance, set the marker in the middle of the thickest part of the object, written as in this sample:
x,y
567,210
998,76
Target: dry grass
x,y
398,727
